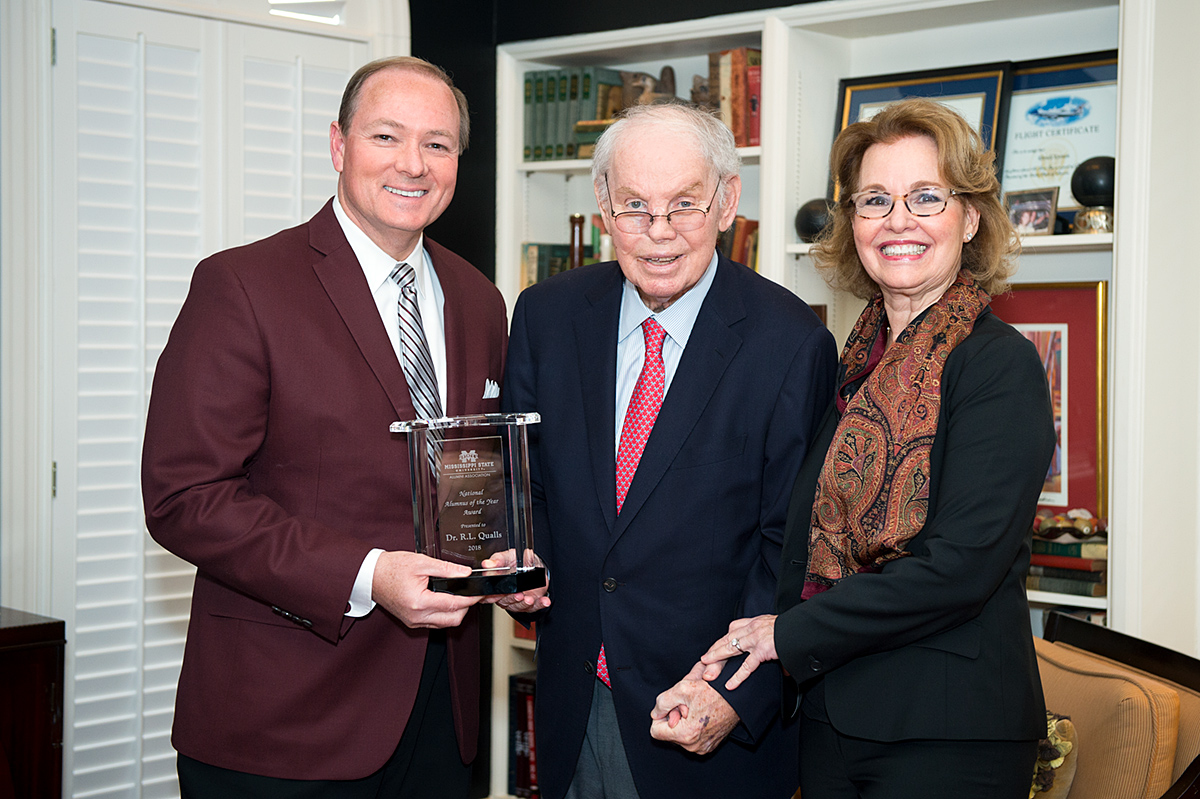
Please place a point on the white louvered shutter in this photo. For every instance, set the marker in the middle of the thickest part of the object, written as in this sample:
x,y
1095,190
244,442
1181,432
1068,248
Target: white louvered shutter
x,y
145,173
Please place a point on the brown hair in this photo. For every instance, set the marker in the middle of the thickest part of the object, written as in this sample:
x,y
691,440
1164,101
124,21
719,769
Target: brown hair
x,y
408,64
964,163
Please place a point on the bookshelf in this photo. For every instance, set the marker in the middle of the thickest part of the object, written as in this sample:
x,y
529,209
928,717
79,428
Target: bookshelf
x,y
806,50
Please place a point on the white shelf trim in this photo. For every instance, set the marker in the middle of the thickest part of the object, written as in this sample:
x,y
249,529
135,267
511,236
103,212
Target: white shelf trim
x,y
1051,598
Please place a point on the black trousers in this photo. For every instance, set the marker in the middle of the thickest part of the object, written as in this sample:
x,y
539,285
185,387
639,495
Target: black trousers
x,y
836,766
425,765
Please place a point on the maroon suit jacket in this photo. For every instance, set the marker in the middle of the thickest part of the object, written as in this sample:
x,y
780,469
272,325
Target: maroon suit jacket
x,y
269,465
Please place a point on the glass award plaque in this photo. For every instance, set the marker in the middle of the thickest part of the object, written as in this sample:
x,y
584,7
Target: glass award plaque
x,y
470,484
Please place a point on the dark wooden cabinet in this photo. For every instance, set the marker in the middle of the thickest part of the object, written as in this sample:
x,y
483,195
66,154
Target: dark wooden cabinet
x,y
31,705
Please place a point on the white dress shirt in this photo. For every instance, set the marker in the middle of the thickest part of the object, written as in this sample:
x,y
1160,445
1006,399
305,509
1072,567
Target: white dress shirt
x,y
377,268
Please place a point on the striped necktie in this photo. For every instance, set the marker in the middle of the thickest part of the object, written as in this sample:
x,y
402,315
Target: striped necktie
x,y
415,358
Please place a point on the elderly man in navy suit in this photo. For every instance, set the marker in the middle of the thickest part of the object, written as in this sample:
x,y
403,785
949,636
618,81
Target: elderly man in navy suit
x,y
679,392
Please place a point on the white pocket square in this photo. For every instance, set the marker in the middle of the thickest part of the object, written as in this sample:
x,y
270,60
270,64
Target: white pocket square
x,y
490,389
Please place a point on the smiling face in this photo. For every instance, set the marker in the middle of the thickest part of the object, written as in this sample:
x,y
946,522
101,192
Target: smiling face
x,y
658,171
913,259
398,162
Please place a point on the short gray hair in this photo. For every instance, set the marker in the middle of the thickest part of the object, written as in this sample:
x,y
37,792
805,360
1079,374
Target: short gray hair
x,y
712,136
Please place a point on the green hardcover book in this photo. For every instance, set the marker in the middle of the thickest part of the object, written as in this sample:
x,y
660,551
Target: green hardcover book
x,y
539,114
527,151
587,93
550,132
552,259
567,126
1071,549
564,114
604,81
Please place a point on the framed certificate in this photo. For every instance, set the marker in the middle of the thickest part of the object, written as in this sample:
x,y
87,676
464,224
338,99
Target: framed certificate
x,y
1061,112
975,92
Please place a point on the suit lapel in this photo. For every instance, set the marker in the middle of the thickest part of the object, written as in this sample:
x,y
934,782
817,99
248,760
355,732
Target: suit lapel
x,y
710,349
342,277
596,344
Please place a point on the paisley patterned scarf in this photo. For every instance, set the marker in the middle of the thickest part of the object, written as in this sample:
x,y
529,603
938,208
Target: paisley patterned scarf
x,y
873,491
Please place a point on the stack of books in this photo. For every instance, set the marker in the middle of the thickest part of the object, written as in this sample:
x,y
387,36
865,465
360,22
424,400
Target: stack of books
x,y
556,99
540,260
735,89
740,242
522,748
558,102
1069,565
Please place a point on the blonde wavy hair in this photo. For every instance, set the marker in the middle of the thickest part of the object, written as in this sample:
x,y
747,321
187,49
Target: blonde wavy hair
x,y
966,166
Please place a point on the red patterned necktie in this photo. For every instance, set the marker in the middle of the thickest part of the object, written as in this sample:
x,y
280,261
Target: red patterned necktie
x,y
639,421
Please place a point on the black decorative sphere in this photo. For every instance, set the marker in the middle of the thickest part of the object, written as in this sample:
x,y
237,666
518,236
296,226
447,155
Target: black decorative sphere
x,y
1094,181
812,218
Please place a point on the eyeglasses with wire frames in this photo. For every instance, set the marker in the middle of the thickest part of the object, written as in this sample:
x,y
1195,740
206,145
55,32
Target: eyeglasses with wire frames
x,y
681,219
925,201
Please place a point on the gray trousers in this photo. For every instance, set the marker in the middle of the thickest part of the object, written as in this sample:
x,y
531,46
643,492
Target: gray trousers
x,y
603,770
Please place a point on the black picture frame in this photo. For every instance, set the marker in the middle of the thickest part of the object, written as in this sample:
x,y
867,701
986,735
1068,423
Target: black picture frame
x,y
984,87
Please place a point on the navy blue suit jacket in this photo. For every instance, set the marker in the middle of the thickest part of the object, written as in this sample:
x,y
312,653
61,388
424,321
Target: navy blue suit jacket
x,y
698,541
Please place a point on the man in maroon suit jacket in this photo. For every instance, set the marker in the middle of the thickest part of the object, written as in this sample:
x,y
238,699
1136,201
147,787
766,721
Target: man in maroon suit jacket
x,y
269,465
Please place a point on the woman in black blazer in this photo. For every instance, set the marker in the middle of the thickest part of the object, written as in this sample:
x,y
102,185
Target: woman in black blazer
x,y
903,619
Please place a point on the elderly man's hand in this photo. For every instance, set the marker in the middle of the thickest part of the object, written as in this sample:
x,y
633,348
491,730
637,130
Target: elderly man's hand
x,y
523,601
692,715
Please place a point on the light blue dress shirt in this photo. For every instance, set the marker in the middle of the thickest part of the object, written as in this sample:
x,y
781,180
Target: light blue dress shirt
x,y
678,320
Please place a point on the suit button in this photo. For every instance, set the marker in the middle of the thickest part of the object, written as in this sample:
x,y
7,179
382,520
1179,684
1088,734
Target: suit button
x,y
813,663
610,585
589,667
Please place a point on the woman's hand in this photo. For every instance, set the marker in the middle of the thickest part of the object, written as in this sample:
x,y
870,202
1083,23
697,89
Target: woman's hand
x,y
753,637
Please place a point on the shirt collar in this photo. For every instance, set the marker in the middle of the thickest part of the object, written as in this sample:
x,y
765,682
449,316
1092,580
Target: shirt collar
x,y
376,264
678,319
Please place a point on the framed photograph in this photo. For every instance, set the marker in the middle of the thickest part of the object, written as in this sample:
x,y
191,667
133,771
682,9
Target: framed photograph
x,y
1032,211
1067,324
1060,112
976,92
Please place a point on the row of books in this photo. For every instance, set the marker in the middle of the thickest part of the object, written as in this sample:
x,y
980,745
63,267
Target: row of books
x,y
559,103
522,749
540,260
1078,566
740,242
556,99
736,76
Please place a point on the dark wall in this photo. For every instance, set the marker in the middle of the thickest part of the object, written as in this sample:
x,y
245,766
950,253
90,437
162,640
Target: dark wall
x,y
461,36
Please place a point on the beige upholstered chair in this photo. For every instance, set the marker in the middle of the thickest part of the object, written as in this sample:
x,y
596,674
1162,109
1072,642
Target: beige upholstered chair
x,y
1135,707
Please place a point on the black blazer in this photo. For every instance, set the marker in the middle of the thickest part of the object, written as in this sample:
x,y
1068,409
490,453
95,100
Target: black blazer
x,y
938,644
698,541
